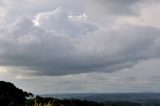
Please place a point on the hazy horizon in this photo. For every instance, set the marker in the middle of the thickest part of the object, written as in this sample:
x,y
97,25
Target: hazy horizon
x,y
98,93
71,46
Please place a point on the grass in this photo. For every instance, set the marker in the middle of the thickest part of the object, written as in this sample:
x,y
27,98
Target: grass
x,y
44,104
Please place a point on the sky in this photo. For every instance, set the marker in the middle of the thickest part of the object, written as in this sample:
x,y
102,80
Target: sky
x,y
80,46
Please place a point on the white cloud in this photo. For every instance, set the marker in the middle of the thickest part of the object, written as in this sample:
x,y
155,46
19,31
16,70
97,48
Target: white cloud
x,y
30,8
63,22
3,12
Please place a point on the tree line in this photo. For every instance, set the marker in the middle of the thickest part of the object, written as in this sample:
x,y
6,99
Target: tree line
x,y
10,95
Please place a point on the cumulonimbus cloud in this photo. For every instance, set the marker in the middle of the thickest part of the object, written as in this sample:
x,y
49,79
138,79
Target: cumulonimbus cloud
x,y
59,43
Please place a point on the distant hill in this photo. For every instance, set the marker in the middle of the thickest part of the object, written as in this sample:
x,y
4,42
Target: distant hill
x,y
133,97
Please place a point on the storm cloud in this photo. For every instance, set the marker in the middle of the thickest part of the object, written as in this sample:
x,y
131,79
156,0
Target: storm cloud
x,y
104,43
58,43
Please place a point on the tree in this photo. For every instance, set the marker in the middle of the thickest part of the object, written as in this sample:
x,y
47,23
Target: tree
x,y
10,95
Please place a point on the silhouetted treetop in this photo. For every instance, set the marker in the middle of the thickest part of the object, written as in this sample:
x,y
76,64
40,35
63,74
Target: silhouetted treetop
x,y
10,95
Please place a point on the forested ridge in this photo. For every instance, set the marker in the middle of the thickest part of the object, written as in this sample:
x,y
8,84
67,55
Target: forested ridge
x,y
10,95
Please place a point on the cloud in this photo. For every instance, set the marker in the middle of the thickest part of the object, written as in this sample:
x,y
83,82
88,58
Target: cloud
x,y
1,3
3,10
22,41
32,7
106,7
142,77
111,45
62,22
107,12
113,7
63,43
148,14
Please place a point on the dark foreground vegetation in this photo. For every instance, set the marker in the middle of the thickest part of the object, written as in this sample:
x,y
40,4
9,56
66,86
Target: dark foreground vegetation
x,y
13,96
75,102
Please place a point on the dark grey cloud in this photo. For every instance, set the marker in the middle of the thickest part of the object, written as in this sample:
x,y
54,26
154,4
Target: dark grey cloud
x,y
77,47
111,45
142,77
